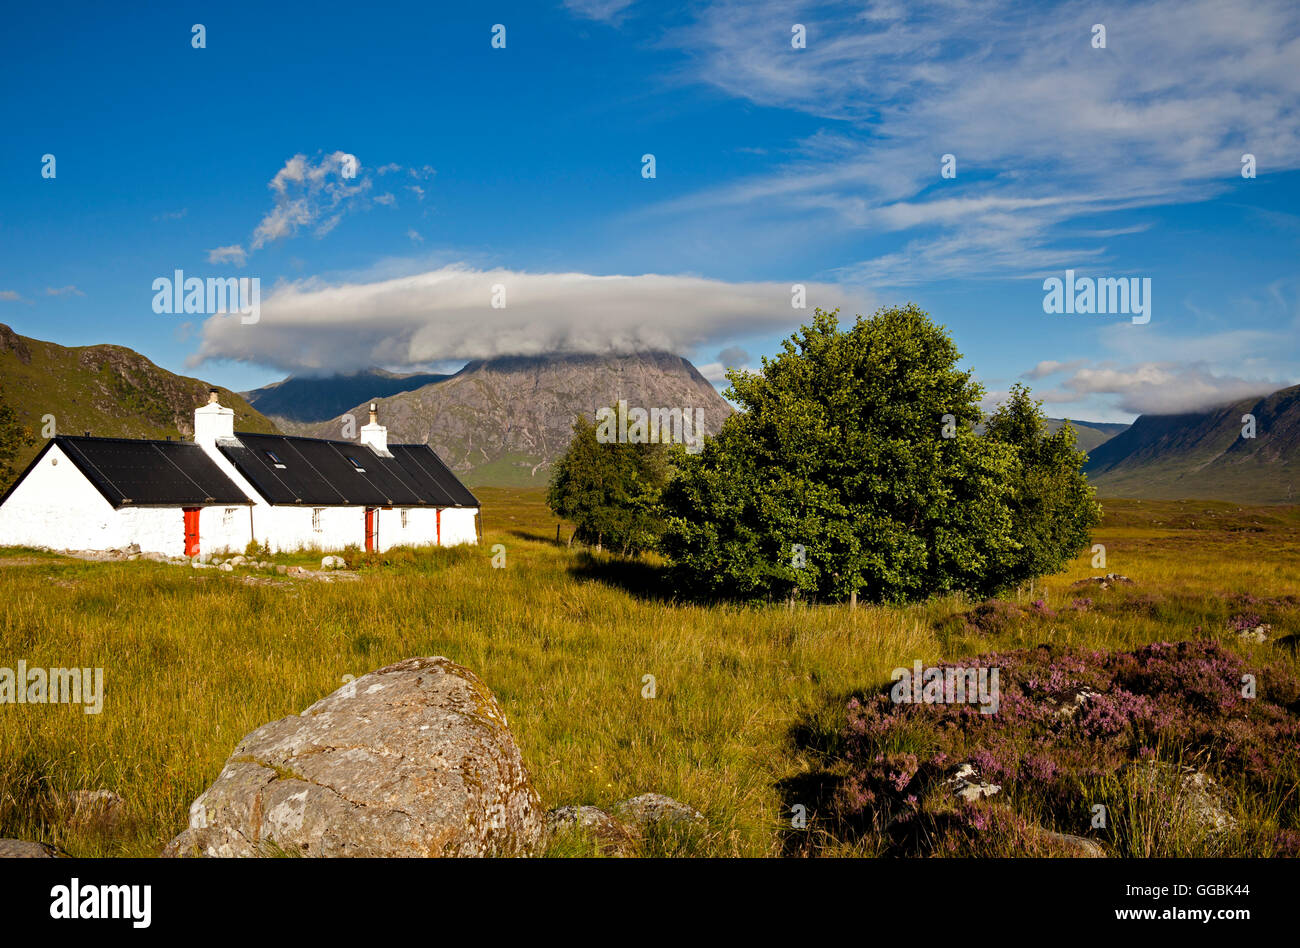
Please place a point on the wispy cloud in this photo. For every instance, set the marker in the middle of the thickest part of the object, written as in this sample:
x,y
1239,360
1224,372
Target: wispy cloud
x,y
63,291
11,296
1045,128
310,195
605,11
233,254
1159,388
1052,367
447,313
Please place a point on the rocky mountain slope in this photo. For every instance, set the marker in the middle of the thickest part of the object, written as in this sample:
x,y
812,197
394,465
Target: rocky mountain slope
x,y
1203,455
106,390
503,421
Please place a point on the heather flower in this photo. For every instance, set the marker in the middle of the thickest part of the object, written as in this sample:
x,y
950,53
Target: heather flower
x,y
1066,717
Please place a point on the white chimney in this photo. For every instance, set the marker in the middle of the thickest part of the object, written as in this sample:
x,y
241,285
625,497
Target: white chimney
x,y
212,422
374,434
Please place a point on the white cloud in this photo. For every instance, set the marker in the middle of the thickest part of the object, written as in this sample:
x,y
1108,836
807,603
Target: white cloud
x,y
415,236
714,372
312,195
233,254
1159,388
63,291
444,314
1052,367
606,11
1045,129
11,296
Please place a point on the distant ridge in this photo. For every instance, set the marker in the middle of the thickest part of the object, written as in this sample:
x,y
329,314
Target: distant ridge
x,y
1089,435
1202,455
310,399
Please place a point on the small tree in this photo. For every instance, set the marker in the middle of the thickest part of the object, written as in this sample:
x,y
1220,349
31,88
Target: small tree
x,y
14,436
1053,507
611,492
852,469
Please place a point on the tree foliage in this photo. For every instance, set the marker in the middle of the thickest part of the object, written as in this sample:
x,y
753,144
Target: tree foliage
x,y
1053,508
610,492
854,467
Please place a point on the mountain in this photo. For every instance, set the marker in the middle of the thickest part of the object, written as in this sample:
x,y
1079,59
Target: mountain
x,y
106,390
503,421
1203,455
304,400
1089,434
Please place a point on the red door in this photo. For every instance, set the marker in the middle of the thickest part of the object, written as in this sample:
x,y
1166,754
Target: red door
x,y
191,531
438,516
372,528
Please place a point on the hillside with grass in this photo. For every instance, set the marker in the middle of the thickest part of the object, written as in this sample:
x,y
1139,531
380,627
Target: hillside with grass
x,y
111,391
758,708
1089,435
1207,454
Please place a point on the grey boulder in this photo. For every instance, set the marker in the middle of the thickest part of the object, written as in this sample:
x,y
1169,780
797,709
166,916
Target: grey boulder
x,y
25,849
613,838
414,759
650,809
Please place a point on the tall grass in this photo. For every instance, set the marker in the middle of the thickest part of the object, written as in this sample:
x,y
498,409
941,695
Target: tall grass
x,y
748,698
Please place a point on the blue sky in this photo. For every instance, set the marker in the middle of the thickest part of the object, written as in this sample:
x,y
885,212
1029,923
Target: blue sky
x,y
774,165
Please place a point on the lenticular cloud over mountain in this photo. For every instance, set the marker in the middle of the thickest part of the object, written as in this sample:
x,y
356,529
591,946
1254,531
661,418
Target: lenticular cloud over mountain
x,y
448,314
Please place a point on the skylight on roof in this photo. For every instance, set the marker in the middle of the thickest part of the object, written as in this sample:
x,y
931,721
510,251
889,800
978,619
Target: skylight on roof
x,y
275,459
356,464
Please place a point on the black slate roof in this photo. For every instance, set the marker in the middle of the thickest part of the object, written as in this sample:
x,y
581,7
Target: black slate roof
x,y
139,473
312,472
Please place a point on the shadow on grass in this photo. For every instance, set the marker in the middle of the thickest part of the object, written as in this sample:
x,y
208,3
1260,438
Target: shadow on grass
x,y
536,536
808,798
638,578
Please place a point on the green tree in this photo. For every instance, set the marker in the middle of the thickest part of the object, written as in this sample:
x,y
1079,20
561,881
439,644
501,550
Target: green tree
x,y
852,469
14,436
610,492
1053,507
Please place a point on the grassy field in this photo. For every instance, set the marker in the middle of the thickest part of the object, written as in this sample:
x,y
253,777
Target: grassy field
x,y
193,660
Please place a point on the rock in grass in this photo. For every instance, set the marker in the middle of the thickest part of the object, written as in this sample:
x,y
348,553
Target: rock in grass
x,y
25,849
414,759
965,783
1194,797
613,837
1259,634
98,810
1103,582
1067,844
651,809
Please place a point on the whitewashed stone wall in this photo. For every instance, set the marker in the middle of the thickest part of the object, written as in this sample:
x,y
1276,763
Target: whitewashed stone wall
x,y
55,507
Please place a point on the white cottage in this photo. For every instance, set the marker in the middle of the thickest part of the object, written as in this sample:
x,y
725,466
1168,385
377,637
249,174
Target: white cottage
x,y
227,488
